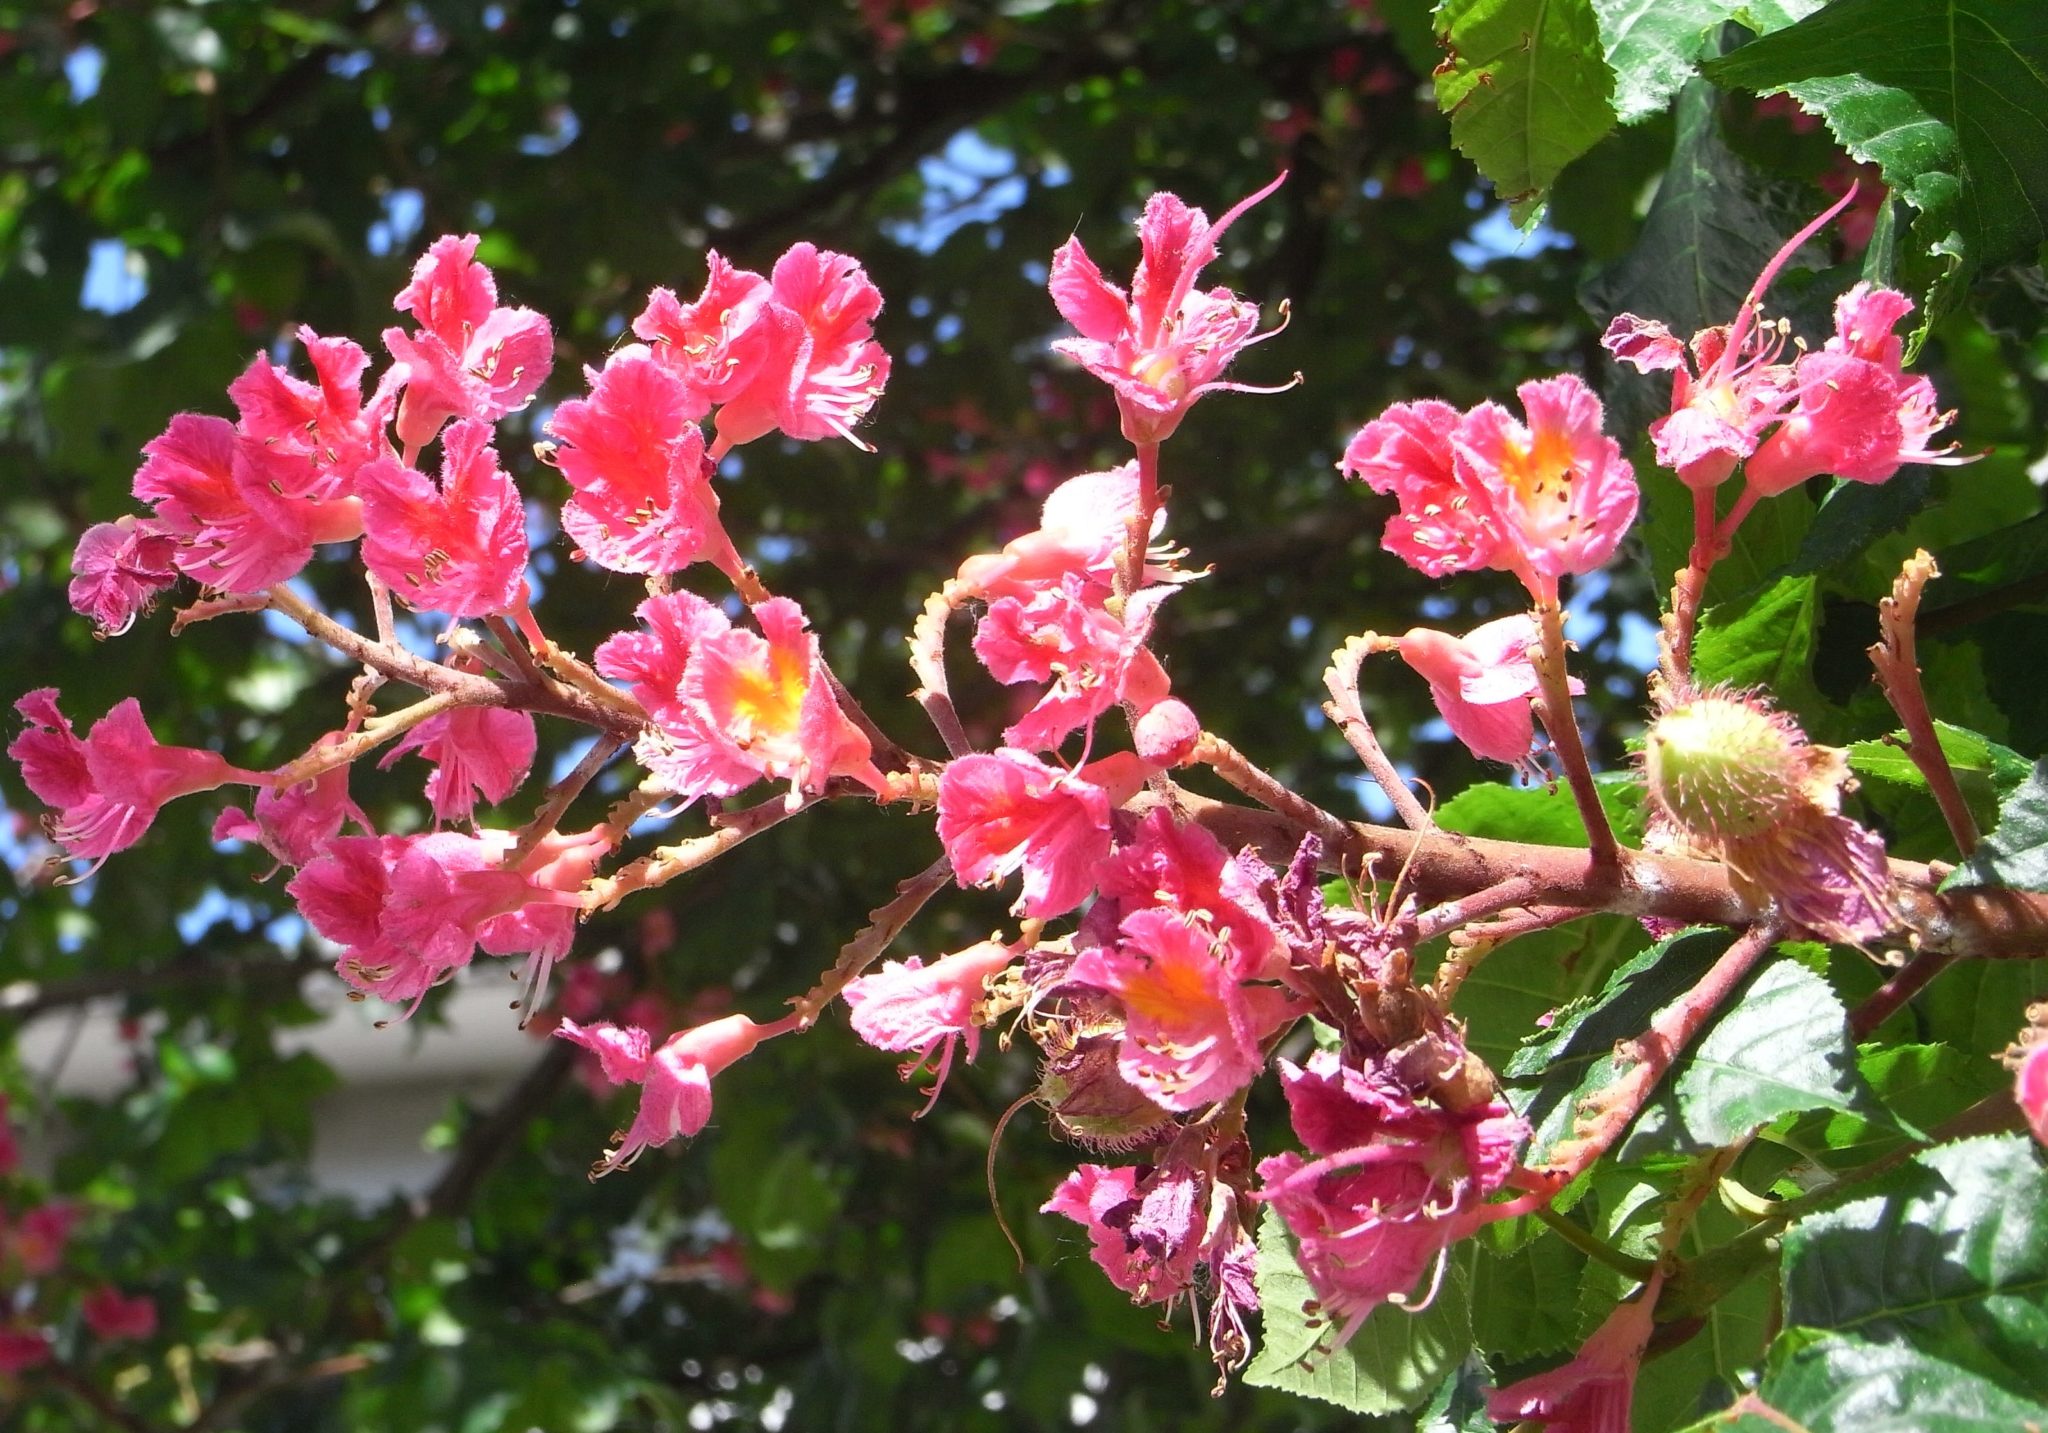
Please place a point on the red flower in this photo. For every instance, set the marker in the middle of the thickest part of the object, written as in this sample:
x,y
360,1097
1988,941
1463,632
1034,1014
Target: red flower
x,y
458,548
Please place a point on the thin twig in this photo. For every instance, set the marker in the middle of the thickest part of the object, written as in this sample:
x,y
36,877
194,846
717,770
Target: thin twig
x,y
1897,660
928,662
1517,890
1237,769
1562,725
559,798
1347,710
885,923
666,863
324,755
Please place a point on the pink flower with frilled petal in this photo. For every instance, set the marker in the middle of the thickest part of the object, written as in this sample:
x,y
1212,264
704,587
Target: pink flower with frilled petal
x,y
837,370
927,1010
1406,451
2031,1089
1393,1182
715,346
1856,415
1593,1392
1081,530
643,500
544,924
1178,865
246,515
106,789
294,824
117,571
476,751
1560,492
1106,1201
1482,683
678,748
1167,343
675,1080
458,548
326,420
111,1314
1067,636
1006,810
765,704
1192,1027
469,358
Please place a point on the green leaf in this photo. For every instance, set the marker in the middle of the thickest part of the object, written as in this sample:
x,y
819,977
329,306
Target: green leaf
x,y
1542,815
1504,997
1524,1302
1574,1058
1951,1260
1526,87
1766,642
1854,515
1779,1048
2015,854
1949,98
1985,771
1832,1383
1652,46
1394,1362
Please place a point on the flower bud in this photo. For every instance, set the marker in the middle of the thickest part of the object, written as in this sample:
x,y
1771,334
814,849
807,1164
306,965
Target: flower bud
x,y
1724,768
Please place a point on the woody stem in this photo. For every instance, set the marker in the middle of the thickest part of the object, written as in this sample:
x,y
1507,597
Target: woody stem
x,y
1563,726
1130,570
1347,710
372,734
1897,660
560,796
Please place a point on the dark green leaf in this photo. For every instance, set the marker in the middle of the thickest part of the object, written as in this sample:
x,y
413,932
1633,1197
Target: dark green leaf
x,y
1545,815
1833,1383
1394,1361
1951,1260
1526,88
1948,97
1652,46
1765,643
2015,853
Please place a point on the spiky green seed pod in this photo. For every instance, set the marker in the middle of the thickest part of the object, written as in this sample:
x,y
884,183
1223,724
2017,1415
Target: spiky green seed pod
x,y
1726,768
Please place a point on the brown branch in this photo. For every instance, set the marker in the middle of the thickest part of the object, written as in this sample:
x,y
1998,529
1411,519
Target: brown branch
x,y
1897,660
885,923
664,864
1347,710
1562,725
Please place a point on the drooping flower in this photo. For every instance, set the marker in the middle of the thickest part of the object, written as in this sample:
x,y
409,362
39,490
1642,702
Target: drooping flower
x,y
469,358
1107,1201
1081,529
1593,1392
111,1314
643,500
106,789
459,547
1543,500
675,1080
22,1349
1166,343
295,823
1067,636
927,1010
1392,1184
1738,782
716,346
2030,1088
1005,810
1481,683
476,751
117,571
1193,1025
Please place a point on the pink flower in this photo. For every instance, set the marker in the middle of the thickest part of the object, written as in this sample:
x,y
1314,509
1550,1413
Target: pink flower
x,y
1066,635
1180,867
1081,530
1560,492
1483,490
2031,1089
1394,1183
717,345
1008,810
110,1314
407,909
106,789
544,925
21,1349
927,1010
246,515
678,749
1407,451
117,571
1192,1027
1593,1392
643,500
1167,343
1482,683
765,705
476,751
459,548
36,1242
325,420
469,357
1856,415
675,1080
295,824
1109,1204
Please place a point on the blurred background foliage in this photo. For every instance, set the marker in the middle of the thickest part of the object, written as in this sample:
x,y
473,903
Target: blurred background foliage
x,y
181,184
